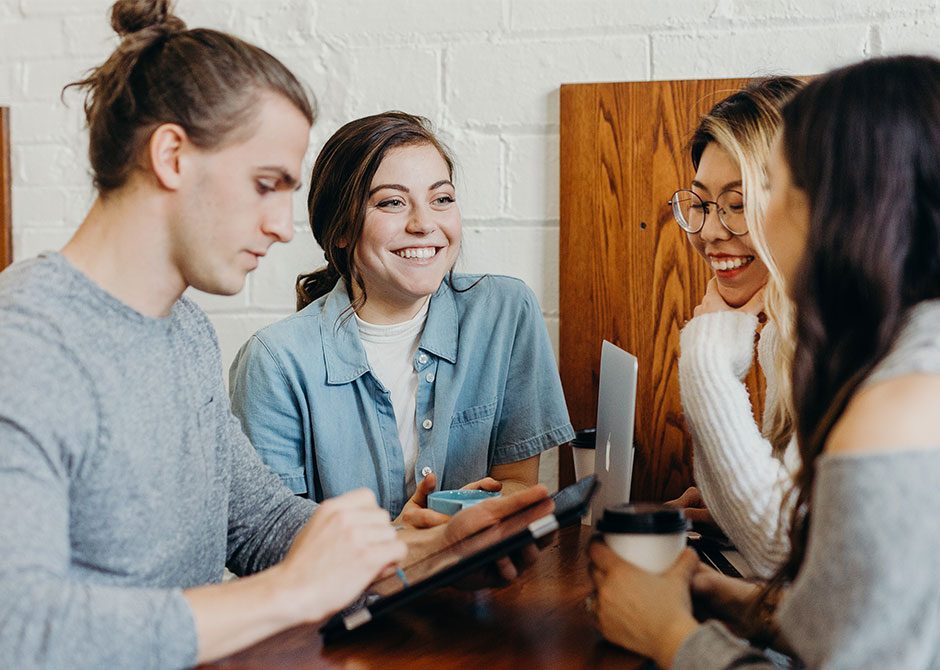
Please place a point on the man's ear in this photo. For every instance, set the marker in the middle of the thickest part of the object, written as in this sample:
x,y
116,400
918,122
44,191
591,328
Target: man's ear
x,y
165,154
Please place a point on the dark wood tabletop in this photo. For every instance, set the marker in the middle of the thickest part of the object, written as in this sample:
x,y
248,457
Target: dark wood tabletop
x,y
538,621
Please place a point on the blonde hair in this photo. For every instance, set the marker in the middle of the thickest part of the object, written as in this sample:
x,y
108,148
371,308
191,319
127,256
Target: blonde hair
x,y
745,125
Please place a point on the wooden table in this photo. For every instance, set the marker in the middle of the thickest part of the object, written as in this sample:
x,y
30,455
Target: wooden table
x,y
539,621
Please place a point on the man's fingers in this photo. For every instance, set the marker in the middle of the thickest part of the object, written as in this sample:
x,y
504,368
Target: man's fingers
x,y
424,518
685,565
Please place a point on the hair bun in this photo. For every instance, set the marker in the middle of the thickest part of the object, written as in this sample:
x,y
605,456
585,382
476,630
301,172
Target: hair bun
x,y
131,16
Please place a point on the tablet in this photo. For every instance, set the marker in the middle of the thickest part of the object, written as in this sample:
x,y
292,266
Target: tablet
x,y
462,558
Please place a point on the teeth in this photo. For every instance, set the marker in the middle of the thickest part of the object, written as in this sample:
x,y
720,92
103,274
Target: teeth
x,y
417,252
730,263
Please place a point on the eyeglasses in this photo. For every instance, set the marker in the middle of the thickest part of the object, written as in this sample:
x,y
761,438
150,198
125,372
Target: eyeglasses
x,y
691,211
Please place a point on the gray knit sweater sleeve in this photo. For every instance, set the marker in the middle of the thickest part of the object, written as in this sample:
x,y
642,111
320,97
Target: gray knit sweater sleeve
x,y
868,593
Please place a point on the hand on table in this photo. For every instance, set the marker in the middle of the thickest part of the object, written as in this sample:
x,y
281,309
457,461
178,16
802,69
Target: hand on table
x,y
415,513
723,597
693,506
640,611
344,546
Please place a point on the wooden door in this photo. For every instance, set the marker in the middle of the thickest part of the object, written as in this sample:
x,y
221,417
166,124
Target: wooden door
x,y
627,272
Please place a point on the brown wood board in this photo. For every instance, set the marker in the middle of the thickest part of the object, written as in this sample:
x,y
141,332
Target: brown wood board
x,y
627,272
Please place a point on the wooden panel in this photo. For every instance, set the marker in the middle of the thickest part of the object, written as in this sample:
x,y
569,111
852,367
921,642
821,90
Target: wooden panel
x,y
6,195
628,274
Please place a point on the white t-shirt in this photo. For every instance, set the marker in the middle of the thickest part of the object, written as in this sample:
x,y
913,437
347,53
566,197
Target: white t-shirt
x,y
391,350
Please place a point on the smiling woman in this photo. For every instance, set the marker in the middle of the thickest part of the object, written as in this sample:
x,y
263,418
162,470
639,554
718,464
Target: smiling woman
x,y
397,373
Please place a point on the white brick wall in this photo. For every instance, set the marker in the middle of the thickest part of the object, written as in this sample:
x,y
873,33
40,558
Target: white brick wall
x,y
485,72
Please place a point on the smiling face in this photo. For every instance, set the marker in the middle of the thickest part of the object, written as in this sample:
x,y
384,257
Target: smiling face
x,y
738,270
411,234
236,201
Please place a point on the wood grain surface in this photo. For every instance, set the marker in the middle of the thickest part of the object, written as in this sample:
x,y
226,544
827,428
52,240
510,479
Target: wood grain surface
x,y
627,272
538,621
6,193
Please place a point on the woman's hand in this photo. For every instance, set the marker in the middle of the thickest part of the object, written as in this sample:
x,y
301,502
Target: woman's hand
x,y
415,513
344,546
723,597
713,302
693,506
645,613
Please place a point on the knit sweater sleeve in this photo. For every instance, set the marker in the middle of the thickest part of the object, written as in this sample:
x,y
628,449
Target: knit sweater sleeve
x,y
741,481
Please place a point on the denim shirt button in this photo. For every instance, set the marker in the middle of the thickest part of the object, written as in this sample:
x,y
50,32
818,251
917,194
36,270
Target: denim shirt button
x,y
425,471
430,377
422,359
427,424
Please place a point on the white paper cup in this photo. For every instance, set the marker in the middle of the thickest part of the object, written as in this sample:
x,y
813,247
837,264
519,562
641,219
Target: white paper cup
x,y
583,462
649,536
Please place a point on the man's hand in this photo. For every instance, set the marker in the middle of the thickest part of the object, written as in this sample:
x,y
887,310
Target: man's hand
x,y
344,546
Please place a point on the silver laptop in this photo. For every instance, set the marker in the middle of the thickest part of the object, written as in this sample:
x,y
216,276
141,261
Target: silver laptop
x,y
616,407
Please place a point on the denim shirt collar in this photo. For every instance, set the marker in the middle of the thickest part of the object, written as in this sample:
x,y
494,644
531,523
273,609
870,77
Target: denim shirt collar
x,y
342,350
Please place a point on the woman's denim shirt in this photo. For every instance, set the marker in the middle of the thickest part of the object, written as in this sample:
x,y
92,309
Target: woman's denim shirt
x,y
488,393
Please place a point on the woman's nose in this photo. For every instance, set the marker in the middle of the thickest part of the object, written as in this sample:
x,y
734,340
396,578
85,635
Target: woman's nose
x,y
712,229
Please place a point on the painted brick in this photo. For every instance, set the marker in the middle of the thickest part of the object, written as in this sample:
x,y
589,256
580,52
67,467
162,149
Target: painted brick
x,y
32,241
920,37
38,207
402,78
9,83
532,174
46,164
37,38
273,23
479,169
90,36
530,254
836,10
43,80
572,14
736,53
517,83
235,329
419,17
60,8
44,122
272,284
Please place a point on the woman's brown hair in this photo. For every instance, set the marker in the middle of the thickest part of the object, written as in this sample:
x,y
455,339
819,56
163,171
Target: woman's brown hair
x,y
339,190
862,143
205,81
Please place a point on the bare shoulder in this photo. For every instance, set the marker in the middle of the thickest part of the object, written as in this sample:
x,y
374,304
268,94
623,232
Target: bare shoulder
x,y
895,415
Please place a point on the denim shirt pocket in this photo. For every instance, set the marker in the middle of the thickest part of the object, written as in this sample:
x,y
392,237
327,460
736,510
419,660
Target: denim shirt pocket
x,y
471,429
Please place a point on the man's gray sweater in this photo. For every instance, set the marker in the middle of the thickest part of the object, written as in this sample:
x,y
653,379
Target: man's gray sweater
x,y
124,477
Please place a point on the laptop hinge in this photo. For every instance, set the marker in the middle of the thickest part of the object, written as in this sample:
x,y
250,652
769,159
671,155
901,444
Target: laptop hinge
x,y
357,618
544,526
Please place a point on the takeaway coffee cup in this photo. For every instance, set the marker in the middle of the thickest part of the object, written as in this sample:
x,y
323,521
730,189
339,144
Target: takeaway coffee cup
x,y
582,448
649,536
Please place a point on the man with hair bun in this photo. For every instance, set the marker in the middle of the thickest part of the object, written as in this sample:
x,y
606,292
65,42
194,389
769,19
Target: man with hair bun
x,y
126,485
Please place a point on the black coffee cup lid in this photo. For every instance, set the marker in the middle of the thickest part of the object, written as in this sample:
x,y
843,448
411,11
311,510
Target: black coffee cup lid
x,y
584,439
642,518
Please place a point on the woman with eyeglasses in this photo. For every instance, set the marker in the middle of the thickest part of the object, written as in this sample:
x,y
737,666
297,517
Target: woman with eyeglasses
x,y
742,472
853,223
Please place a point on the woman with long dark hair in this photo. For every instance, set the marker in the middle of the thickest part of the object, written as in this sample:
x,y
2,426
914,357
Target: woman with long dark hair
x,y
854,226
397,373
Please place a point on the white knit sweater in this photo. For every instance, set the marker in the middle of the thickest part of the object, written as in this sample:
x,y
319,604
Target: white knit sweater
x,y
742,483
